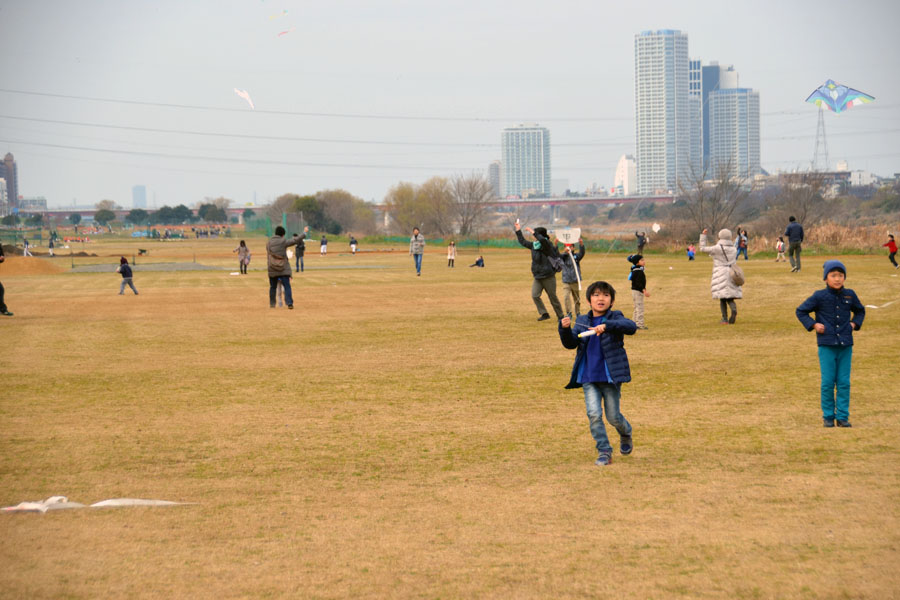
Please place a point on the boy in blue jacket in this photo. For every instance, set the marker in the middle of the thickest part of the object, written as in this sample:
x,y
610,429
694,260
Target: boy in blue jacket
x,y
834,334
601,365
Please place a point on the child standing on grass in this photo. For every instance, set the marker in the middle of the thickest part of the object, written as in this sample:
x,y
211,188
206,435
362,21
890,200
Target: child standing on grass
x,y
125,270
691,251
601,365
638,288
779,248
571,273
451,254
834,335
892,248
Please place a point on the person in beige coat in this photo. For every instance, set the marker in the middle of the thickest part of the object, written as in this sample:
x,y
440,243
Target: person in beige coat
x,y
724,254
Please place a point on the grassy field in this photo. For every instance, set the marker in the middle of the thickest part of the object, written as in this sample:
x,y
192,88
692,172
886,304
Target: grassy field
x,y
396,436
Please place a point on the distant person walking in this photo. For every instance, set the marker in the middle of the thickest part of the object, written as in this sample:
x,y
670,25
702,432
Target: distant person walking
x,y
299,251
794,234
353,245
691,251
417,249
26,246
323,245
451,254
279,268
127,276
724,254
51,245
779,248
243,253
543,271
3,310
892,248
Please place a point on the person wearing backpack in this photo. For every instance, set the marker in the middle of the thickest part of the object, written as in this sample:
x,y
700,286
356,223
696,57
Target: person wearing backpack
x,y
722,287
279,267
545,264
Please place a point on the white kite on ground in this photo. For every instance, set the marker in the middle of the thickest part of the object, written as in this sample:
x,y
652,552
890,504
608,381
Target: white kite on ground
x,y
61,502
246,96
882,306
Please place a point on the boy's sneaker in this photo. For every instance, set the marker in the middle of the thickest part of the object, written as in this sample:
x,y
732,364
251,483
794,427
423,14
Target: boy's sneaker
x,y
6,313
626,445
603,460
828,422
543,317
843,423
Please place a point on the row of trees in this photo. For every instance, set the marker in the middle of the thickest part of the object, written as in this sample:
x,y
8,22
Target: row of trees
x,y
442,206
331,211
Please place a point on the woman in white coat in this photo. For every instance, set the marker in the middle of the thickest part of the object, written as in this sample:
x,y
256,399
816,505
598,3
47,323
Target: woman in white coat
x,y
724,254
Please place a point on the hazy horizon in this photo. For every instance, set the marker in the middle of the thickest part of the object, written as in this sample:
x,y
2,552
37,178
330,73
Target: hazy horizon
x,y
99,96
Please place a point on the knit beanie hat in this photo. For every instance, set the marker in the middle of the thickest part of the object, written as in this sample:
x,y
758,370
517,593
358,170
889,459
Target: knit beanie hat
x,y
635,258
123,261
725,234
833,265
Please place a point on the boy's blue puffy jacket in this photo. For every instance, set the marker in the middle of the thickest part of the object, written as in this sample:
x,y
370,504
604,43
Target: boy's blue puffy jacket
x,y
612,341
833,309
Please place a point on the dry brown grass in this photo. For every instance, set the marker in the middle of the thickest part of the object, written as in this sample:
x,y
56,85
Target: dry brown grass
x,y
396,436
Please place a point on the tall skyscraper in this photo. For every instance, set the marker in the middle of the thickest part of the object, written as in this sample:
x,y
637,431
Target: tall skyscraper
x,y
734,132
662,109
495,170
8,171
713,77
526,161
139,196
695,96
626,175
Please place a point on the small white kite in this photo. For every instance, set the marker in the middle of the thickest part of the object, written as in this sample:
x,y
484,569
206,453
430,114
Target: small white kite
x,y
246,96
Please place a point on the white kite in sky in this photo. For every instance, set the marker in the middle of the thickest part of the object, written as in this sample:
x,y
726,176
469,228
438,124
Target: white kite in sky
x,y
246,96
656,227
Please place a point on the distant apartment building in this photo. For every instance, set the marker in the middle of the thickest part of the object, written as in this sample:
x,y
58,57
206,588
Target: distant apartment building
x,y
4,202
495,172
625,181
139,196
713,77
526,161
695,97
37,204
734,132
662,109
8,172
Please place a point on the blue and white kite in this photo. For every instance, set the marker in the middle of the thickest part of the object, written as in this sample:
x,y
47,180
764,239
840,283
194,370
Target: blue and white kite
x,y
836,97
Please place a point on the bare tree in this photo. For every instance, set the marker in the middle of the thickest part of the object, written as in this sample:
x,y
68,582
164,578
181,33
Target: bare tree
x,y
402,202
107,205
712,203
471,195
436,199
283,204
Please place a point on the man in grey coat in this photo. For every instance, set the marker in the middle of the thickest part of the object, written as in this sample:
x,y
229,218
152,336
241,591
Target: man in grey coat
x,y
278,265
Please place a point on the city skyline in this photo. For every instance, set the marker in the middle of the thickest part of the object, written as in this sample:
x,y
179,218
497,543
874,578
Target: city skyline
x,y
98,98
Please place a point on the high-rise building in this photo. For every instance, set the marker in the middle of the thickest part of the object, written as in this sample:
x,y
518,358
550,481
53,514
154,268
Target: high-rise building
x,y
626,175
662,109
139,196
734,132
4,206
526,161
495,170
695,97
8,171
713,77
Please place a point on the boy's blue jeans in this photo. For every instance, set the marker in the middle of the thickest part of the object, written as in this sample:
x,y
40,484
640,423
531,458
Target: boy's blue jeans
x,y
834,362
418,259
609,394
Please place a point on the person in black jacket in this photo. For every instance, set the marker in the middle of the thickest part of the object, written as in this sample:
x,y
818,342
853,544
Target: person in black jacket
x,y
3,310
794,234
544,272
126,273
638,288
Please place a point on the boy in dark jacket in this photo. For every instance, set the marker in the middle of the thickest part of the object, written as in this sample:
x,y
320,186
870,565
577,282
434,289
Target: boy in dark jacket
x,y
125,270
834,334
543,271
601,365
638,288
3,310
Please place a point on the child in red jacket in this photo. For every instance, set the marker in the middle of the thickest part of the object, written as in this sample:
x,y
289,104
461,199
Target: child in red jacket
x,y
892,248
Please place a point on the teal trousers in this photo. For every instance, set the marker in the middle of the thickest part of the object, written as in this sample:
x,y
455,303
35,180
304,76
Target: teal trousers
x,y
834,362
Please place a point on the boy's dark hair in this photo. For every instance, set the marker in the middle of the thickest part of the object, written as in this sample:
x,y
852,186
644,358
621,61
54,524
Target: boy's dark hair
x,y
791,218
601,286
279,230
541,231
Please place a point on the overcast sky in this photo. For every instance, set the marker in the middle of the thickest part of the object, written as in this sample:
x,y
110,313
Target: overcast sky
x,y
370,93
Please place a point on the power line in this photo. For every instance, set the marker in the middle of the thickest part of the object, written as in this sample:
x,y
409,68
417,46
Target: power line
x,y
320,114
